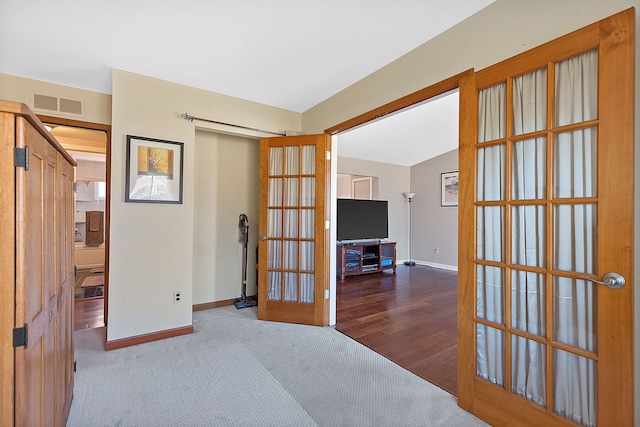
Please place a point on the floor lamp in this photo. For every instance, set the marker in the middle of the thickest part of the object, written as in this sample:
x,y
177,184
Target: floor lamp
x,y
409,196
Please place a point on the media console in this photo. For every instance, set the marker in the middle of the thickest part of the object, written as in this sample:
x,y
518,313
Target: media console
x,y
363,258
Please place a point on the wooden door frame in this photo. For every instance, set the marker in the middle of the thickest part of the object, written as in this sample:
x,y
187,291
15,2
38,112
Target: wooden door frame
x,y
410,100
107,129
406,101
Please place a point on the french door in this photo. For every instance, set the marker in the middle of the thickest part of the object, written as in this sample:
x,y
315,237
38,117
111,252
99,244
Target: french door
x,y
292,249
546,210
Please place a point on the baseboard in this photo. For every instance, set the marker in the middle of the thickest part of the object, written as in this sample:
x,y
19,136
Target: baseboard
x,y
154,336
433,264
216,304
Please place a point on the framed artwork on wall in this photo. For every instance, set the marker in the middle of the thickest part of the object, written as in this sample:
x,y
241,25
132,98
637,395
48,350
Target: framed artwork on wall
x,y
449,189
153,171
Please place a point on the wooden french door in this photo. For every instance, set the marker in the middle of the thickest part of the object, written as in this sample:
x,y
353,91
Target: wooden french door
x,y
292,276
546,208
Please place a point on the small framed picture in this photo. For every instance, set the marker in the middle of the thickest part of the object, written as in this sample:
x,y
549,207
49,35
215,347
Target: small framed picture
x,y
154,170
449,189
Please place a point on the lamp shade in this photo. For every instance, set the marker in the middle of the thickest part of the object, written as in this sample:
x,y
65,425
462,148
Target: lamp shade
x,y
409,195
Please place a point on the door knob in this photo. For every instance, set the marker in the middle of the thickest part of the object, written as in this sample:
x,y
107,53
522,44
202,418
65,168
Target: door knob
x,y
263,238
611,280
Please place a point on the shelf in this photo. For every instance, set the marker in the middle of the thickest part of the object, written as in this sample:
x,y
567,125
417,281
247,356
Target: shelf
x,y
365,258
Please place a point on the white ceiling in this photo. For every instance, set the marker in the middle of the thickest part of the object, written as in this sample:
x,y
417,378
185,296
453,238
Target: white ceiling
x,y
289,54
407,137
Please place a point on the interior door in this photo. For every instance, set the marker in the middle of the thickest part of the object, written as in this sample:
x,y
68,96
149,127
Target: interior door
x,y
36,299
546,209
292,276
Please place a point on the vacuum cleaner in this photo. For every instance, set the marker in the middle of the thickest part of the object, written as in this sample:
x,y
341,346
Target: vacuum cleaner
x,y
243,237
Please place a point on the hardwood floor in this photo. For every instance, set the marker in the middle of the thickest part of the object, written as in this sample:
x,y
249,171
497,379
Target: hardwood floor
x,y
89,313
410,318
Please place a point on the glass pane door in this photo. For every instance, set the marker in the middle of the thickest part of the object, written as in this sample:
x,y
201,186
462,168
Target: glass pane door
x,y
291,223
291,279
536,204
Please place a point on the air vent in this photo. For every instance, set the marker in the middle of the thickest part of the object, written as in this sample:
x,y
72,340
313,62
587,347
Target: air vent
x,y
50,103
70,106
44,102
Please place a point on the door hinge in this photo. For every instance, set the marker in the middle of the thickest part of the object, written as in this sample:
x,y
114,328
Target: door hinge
x,y
327,155
21,157
74,365
20,336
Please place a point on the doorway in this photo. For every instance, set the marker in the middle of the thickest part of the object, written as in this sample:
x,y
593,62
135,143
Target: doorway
x,y
89,144
410,317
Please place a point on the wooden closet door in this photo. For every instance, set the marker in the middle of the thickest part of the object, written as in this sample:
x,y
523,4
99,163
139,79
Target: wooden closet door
x,y
64,236
41,296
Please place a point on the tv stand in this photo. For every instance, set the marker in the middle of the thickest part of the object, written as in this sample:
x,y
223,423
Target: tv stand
x,y
364,258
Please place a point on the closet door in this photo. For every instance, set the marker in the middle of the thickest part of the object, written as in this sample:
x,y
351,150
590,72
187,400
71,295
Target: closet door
x,y
44,282
547,211
292,277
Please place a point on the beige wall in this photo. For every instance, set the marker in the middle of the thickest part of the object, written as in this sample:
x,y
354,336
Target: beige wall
x,y
227,184
19,89
153,250
491,35
152,245
432,225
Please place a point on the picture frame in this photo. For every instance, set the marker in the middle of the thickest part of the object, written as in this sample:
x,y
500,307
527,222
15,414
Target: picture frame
x,y
154,170
449,184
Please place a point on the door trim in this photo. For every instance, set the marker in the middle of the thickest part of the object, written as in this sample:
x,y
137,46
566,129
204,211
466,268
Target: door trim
x,y
107,129
416,97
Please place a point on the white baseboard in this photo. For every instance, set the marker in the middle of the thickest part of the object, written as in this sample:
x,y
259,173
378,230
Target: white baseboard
x,y
431,264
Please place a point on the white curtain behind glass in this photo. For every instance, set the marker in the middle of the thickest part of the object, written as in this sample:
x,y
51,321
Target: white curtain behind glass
x,y
528,240
490,234
574,173
291,216
575,170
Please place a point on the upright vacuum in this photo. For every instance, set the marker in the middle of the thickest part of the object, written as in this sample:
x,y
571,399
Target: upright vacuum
x,y
243,231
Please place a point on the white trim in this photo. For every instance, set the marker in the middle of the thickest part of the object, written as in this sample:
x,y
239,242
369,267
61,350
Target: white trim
x,y
430,264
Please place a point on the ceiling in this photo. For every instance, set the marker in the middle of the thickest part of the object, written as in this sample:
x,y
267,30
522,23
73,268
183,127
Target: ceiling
x,y
288,54
407,137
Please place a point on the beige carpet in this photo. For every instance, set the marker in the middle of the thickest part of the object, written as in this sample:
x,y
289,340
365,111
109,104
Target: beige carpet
x,y
235,370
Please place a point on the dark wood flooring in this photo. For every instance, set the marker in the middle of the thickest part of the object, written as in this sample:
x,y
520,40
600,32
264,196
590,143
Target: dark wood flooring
x,y
410,318
88,312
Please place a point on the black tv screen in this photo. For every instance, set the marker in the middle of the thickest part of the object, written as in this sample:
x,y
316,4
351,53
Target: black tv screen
x,y
362,219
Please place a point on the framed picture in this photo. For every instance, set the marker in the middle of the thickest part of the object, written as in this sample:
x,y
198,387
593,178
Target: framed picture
x,y
449,189
154,170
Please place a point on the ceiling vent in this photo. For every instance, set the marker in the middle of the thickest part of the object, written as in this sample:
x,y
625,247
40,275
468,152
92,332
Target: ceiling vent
x,y
49,103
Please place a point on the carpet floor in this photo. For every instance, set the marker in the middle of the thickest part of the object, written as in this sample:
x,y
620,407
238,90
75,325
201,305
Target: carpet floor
x,y
235,370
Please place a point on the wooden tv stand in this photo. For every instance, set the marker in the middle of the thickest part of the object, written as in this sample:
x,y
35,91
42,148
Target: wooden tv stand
x,y
364,258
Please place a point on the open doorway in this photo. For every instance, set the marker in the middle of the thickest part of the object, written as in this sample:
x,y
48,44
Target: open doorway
x,y
409,317
89,145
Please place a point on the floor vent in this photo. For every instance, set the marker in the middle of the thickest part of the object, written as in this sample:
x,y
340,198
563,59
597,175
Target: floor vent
x,y
50,103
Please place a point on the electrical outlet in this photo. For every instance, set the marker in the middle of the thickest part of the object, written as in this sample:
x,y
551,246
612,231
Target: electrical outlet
x,y
177,297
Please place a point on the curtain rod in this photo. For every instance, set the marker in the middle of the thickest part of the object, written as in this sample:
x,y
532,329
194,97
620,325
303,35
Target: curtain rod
x,y
191,118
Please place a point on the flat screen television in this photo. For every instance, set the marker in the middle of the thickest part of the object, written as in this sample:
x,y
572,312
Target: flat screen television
x,y
362,219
